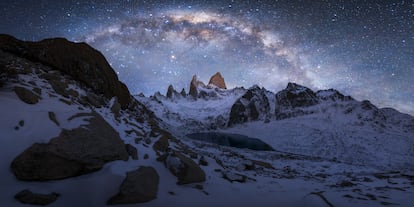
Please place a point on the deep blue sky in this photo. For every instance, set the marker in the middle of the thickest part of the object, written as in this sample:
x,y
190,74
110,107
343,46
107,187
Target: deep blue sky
x,y
363,48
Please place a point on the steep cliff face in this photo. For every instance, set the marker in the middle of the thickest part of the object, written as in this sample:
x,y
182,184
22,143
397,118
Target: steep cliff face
x,y
253,105
218,81
78,60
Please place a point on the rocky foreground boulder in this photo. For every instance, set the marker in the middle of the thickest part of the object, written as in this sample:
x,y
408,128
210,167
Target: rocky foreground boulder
x,y
74,152
184,168
79,60
139,186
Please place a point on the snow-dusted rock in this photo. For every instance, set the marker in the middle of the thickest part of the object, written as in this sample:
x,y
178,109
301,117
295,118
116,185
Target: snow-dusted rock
x,y
253,105
184,168
74,152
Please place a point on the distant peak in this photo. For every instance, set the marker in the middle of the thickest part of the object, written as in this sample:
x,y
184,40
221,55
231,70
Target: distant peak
x,y
218,81
292,85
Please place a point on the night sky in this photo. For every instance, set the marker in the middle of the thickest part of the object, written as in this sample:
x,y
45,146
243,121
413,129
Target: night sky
x,y
362,48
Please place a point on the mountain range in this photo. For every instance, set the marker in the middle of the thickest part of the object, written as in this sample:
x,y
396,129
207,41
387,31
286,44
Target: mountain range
x,y
73,135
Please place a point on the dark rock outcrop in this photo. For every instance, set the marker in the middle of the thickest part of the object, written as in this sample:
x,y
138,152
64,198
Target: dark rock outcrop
x,y
139,186
291,100
26,95
296,96
161,144
218,81
78,60
132,151
28,197
193,86
184,168
332,95
74,152
251,106
172,93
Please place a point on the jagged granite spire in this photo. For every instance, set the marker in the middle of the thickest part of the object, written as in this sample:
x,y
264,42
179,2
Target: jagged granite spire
x,y
217,80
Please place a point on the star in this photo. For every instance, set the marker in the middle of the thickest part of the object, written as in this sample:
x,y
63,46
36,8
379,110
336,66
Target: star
x,y
359,48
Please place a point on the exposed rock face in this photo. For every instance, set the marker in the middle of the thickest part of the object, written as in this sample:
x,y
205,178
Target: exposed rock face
x,y
74,152
218,81
78,60
193,87
26,95
294,97
251,106
171,92
183,93
185,169
139,186
161,144
332,95
28,197
132,151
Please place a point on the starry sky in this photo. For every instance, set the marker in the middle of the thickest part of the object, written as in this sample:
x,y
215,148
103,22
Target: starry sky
x,y
362,48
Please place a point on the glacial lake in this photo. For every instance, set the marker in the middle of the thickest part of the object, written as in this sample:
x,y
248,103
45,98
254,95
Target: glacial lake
x,y
231,140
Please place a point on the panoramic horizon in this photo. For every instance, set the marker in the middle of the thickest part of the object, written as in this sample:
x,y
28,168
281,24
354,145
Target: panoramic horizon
x,y
285,103
361,49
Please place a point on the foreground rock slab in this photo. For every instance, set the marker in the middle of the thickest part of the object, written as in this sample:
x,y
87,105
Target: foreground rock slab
x,y
139,186
185,169
74,152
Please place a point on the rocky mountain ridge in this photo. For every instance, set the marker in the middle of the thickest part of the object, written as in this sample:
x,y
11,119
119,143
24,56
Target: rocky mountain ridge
x,y
96,145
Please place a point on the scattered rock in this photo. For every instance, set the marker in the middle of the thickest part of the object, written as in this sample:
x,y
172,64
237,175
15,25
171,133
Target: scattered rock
x,y
147,141
198,186
52,117
26,95
59,87
132,151
234,177
202,161
28,197
74,152
161,144
263,164
184,168
116,107
146,156
21,123
138,140
68,102
139,186
345,184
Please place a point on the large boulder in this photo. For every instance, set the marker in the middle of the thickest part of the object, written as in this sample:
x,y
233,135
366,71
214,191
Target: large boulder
x,y
78,60
28,197
184,168
74,152
139,186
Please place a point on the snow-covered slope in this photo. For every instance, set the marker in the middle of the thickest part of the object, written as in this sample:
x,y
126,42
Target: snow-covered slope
x,y
336,152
